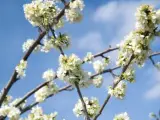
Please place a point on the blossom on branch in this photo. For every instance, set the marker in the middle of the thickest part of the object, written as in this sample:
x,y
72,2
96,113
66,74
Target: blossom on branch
x,y
37,114
92,106
26,45
49,75
45,91
11,112
73,13
119,91
122,116
20,69
41,13
70,70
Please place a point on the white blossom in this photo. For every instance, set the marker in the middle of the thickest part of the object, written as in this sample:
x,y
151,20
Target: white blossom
x,y
26,45
47,45
88,57
98,81
77,4
158,16
20,69
99,66
41,12
92,106
119,91
45,91
11,112
14,113
122,116
17,100
37,114
129,75
49,75
70,70
138,42
73,13
146,18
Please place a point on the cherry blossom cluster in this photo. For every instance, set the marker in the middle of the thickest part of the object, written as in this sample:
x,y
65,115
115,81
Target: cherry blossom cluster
x,y
20,69
136,46
73,13
49,89
122,116
11,112
37,114
92,106
70,70
137,43
62,41
119,91
26,45
8,108
41,13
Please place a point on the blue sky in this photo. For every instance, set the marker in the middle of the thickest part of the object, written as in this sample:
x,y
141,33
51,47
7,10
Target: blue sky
x,y
105,23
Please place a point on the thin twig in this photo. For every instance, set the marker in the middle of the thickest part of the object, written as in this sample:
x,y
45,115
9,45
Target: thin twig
x,y
114,85
83,103
154,54
53,33
105,71
106,51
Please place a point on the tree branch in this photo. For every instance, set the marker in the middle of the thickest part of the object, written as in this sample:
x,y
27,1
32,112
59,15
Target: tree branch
x,y
114,85
13,78
83,103
36,103
106,51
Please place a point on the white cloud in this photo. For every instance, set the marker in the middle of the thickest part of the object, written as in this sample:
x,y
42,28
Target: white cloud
x,y
91,41
154,91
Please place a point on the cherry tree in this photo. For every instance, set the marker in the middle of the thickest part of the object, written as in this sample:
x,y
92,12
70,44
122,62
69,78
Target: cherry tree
x,y
48,16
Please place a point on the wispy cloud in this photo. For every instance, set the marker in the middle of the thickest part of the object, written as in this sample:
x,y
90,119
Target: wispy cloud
x,y
154,91
91,41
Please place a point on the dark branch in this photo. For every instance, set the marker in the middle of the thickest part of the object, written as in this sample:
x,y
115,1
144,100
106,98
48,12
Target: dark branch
x,y
36,103
83,103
